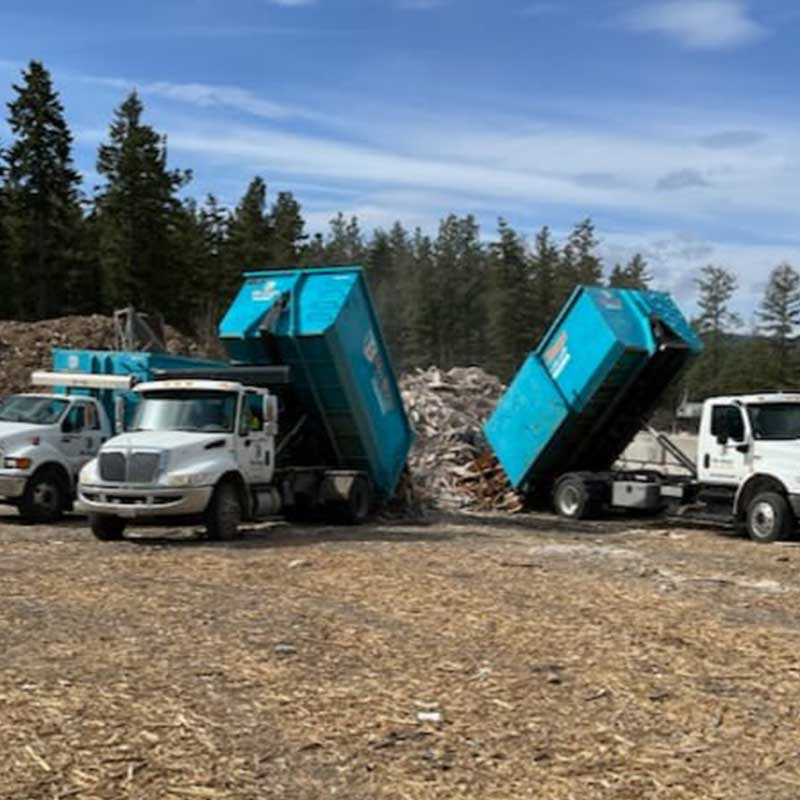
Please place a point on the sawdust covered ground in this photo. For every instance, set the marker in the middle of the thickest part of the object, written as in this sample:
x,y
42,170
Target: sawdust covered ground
x,y
462,658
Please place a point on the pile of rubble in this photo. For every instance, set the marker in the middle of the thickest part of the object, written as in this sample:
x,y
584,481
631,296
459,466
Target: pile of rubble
x,y
450,463
26,346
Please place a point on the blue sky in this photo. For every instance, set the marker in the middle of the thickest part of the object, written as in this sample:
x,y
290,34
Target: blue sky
x,y
673,123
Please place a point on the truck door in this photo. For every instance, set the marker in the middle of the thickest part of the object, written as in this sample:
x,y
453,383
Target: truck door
x,y
81,435
724,450
254,446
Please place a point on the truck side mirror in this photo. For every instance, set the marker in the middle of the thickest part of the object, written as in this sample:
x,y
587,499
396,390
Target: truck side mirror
x,y
270,408
66,426
722,439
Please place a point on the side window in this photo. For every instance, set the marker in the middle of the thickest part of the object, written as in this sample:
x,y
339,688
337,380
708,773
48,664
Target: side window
x,y
75,421
252,418
92,418
727,421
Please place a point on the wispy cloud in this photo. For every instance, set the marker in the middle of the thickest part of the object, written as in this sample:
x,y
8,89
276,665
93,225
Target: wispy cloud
x,y
210,96
420,5
681,179
699,24
725,140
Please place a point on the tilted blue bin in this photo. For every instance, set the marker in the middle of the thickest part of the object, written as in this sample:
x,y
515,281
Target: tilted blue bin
x,y
321,323
580,397
141,366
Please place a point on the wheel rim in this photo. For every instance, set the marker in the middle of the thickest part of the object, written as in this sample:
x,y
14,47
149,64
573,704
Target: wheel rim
x,y
762,520
569,500
46,497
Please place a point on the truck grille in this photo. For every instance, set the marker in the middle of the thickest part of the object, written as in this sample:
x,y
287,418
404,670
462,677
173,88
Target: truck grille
x,y
129,467
112,467
143,467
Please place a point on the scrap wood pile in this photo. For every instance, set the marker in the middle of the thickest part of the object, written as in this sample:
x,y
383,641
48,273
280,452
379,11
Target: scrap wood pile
x,y
26,346
449,461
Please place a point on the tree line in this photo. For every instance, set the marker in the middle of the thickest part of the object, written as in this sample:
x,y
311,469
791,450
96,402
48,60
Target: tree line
x,y
448,299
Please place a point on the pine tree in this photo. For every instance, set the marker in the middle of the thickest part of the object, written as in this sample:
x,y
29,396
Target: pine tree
x,y
249,233
779,315
425,305
509,298
42,215
548,293
137,213
7,292
581,265
634,275
716,287
287,230
345,242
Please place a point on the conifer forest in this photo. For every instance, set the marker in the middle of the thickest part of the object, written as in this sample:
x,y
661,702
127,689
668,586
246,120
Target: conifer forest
x,y
453,297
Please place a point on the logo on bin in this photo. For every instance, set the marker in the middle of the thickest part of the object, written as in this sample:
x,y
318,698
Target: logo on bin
x,y
380,380
557,355
268,291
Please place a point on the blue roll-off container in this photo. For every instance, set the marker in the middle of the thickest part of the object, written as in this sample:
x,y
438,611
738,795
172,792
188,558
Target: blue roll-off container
x,y
141,366
580,397
321,323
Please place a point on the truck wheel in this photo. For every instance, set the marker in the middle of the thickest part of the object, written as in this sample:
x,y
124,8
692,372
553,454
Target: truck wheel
x,y
768,518
44,497
224,513
106,527
571,499
356,508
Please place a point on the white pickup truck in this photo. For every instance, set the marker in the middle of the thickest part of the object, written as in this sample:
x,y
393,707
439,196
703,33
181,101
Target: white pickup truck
x,y
45,439
206,450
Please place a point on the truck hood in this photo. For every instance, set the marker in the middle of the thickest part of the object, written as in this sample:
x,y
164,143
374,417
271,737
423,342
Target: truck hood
x,y
165,440
13,429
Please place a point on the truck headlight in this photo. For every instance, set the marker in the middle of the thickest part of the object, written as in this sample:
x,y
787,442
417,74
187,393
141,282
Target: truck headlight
x,y
17,463
190,479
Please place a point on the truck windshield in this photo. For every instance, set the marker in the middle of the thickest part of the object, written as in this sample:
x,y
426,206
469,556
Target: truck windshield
x,y
775,420
35,410
186,410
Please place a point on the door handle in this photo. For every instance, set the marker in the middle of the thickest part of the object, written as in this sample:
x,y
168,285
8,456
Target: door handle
x,y
706,460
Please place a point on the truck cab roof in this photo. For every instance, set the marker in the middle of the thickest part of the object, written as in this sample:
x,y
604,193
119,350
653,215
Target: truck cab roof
x,y
757,399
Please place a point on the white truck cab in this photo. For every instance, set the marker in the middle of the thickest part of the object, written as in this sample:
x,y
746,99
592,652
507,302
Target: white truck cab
x,y
45,439
196,448
749,449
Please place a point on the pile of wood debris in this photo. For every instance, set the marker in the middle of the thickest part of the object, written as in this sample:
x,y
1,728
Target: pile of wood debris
x,y
27,346
450,463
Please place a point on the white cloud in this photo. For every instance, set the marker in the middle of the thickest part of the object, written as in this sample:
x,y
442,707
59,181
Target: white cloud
x,y
211,96
699,24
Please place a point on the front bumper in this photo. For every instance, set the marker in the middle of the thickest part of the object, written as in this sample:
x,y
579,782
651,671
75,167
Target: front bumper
x,y
143,503
12,487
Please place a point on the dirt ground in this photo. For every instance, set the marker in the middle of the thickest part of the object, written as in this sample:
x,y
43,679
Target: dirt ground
x,y
456,657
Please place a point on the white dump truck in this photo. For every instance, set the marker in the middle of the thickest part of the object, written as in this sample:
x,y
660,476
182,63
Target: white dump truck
x,y
45,439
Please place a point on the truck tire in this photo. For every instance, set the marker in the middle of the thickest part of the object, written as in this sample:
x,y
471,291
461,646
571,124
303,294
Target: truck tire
x,y
356,508
768,518
44,497
571,499
106,527
224,513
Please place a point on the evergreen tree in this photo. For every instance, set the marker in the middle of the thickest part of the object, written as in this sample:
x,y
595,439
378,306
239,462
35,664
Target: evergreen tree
x,y
42,215
249,232
581,265
548,295
779,315
345,243
634,275
509,298
7,293
138,213
716,287
287,228
425,310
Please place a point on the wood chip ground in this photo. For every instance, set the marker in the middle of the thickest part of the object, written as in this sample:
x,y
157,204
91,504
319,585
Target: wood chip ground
x,y
463,657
